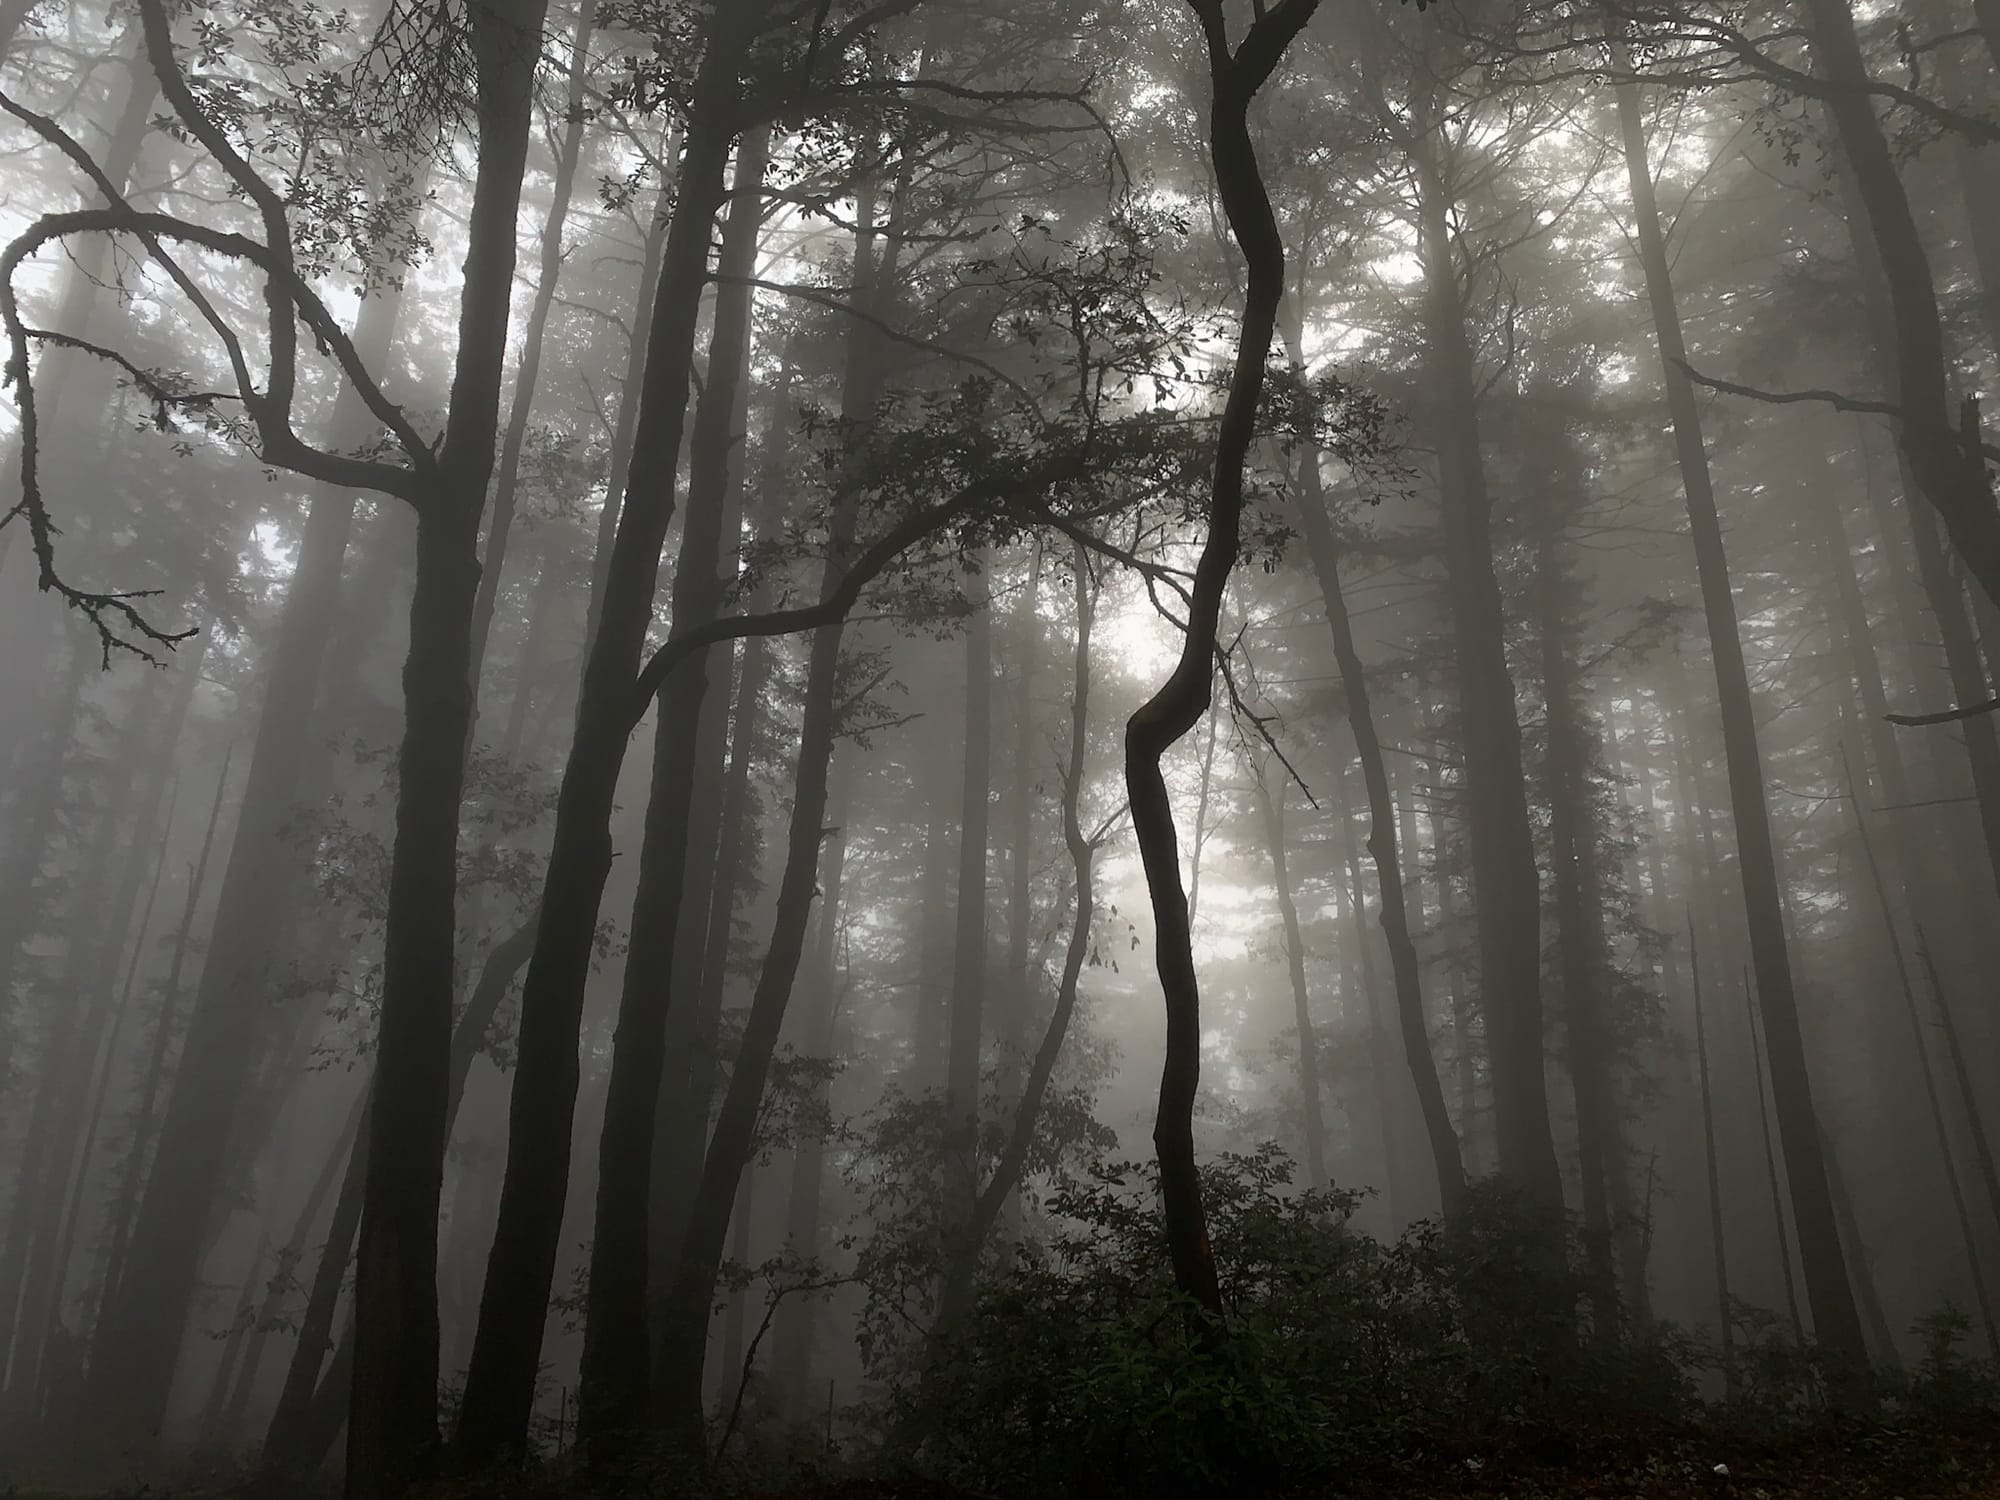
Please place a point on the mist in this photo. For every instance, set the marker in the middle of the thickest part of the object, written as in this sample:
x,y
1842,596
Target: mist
x,y
935,746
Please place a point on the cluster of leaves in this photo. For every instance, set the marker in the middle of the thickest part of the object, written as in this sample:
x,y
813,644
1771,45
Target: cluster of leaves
x,y
1084,1370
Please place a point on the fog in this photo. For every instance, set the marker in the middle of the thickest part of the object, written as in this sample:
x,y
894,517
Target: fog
x,y
1149,746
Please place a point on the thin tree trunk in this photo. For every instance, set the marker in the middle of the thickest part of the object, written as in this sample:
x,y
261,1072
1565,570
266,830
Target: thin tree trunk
x,y
520,1271
612,1394
1162,721
689,1091
527,374
292,1442
1272,816
1964,1216
127,1202
1020,842
1828,1288
1945,461
965,1029
792,1348
1857,1257
682,1330
1725,1317
1982,1146
1580,946
956,1299
137,1341
1505,885
1780,1233
1447,1161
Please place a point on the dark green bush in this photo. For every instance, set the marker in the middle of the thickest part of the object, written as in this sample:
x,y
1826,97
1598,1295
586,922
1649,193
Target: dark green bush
x,y
1083,1370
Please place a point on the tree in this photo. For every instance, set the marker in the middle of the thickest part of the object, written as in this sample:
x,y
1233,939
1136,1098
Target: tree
x,y
1235,76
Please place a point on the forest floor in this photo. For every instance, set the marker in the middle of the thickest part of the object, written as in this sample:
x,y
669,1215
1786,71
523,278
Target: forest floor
x,y
1833,1464
1871,1464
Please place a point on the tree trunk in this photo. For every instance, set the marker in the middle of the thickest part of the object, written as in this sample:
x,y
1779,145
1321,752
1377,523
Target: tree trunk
x,y
1827,1286
1583,961
612,1386
520,1272
1725,1318
1974,1269
684,1313
1323,550
681,1134
1020,842
292,1447
792,1349
126,1206
1272,814
965,1032
970,1240
1944,461
624,435
1161,722
137,1340
527,374
1505,886
682,1330
392,1429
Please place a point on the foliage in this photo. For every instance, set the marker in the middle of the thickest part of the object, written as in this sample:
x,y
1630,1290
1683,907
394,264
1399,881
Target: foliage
x,y
1084,1370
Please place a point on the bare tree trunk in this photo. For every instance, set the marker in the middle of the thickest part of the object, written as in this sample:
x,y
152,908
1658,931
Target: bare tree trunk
x,y
1273,818
1857,1257
1178,705
1580,947
792,1348
624,433
612,1390
681,1132
293,1443
286,1267
550,591
1020,842
956,1299
965,1029
1781,1235
520,1271
392,1429
137,1340
684,1315
1828,1288
1948,468
1506,888
1324,553
1982,1146
528,373
1973,1267
682,1329
1725,1318
127,1203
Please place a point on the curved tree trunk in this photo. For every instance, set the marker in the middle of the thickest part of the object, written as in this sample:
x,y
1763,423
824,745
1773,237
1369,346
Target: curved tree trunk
x,y
1161,722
